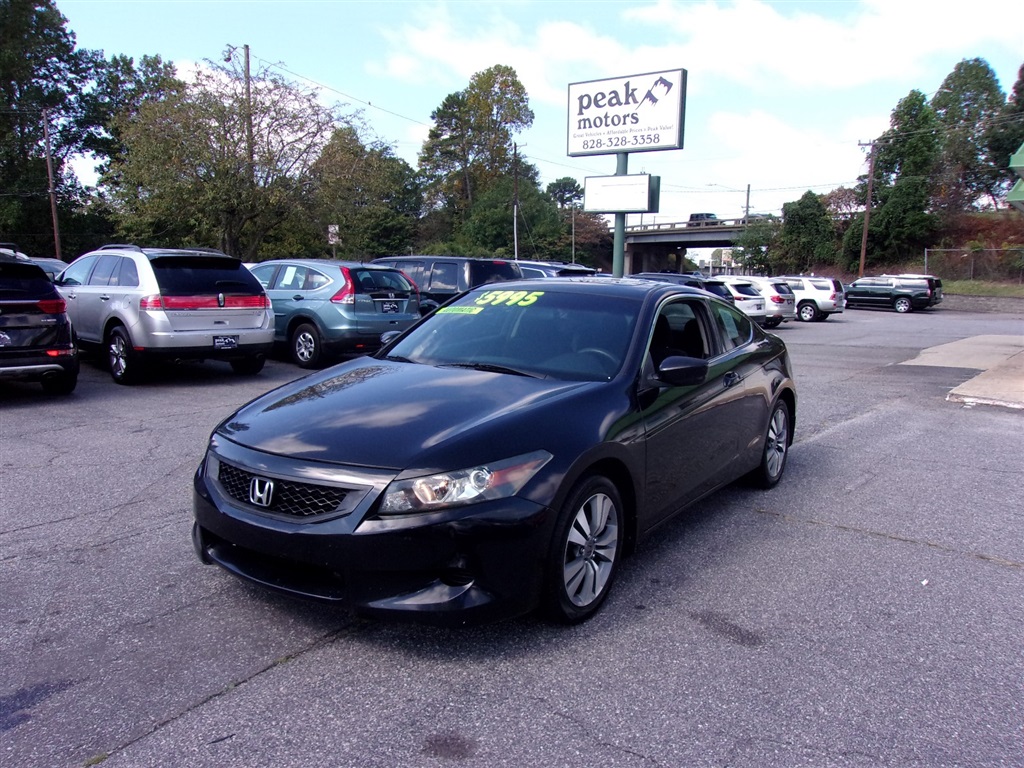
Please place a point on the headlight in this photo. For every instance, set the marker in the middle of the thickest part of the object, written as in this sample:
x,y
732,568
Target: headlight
x,y
465,486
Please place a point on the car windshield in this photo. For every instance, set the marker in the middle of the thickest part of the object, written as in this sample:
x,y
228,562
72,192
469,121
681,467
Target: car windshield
x,y
373,280
549,334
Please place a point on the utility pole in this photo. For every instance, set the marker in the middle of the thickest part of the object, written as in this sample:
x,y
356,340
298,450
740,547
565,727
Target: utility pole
x,y
247,117
867,206
746,208
49,175
515,200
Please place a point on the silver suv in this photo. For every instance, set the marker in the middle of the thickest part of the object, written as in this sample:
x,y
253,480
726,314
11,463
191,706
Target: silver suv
x,y
145,303
816,297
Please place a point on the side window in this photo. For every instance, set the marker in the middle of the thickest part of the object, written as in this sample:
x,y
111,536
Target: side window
x,y
264,274
678,331
735,326
127,273
444,276
105,267
291,278
78,273
315,280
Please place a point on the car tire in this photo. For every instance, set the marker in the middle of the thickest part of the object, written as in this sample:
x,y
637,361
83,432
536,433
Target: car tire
x,y
585,551
772,322
902,305
60,384
807,312
249,366
307,347
122,360
776,449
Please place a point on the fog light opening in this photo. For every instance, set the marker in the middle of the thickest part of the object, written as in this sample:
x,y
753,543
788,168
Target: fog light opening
x,y
456,577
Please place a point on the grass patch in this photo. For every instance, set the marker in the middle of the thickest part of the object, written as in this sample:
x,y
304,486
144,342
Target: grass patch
x,y
982,288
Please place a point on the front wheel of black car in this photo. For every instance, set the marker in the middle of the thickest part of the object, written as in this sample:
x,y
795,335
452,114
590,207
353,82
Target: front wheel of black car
x,y
121,357
307,347
585,552
902,305
776,449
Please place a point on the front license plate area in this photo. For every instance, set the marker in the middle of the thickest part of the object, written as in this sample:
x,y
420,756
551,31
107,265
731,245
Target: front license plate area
x,y
225,342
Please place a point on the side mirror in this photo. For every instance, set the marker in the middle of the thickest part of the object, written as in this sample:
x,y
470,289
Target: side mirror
x,y
388,336
678,371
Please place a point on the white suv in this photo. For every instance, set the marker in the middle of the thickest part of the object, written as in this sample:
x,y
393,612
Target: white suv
x,y
816,297
144,303
779,300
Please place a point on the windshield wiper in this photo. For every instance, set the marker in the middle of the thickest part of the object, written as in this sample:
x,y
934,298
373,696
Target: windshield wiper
x,y
398,359
490,368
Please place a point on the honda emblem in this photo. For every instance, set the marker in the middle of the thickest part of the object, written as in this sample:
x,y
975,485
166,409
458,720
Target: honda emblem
x,y
261,491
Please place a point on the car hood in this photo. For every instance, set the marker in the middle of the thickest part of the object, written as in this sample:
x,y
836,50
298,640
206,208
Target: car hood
x,y
386,414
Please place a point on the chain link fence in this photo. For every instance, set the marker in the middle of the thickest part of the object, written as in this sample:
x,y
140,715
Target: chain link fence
x,y
993,264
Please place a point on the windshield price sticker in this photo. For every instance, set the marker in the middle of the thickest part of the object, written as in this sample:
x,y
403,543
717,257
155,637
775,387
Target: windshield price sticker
x,y
460,310
509,298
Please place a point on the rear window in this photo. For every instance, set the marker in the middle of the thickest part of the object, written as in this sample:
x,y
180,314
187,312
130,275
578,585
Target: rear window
x,y
20,279
371,280
746,289
782,288
481,272
822,284
197,275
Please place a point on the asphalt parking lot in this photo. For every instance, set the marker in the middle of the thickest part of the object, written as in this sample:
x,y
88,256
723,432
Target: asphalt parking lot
x,y
865,612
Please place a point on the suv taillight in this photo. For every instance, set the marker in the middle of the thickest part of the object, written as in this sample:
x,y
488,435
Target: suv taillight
x,y
151,302
347,294
52,306
778,300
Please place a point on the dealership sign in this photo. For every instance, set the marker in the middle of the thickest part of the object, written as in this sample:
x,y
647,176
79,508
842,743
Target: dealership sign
x,y
640,193
639,113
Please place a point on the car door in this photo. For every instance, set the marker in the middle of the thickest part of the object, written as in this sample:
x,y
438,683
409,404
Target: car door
x,y
692,432
83,299
289,296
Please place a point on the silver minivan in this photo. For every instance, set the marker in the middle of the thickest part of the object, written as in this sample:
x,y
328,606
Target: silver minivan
x,y
140,304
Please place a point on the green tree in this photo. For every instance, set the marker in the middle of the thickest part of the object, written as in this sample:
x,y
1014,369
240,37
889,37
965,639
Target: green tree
x,y
565,191
471,143
371,195
186,176
806,238
42,79
967,106
756,245
1006,134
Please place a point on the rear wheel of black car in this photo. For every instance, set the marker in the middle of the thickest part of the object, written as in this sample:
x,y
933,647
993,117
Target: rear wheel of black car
x,y
585,552
249,366
808,311
902,305
776,449
306,345
122,360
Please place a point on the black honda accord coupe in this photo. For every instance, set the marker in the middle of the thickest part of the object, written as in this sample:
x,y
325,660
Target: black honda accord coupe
x,y
502,455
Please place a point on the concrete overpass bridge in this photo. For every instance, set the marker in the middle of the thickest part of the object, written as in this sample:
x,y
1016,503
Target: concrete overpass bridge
x,y
662,246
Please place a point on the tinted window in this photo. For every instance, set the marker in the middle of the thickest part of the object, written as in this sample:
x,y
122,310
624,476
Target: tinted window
x,y
127,274
782,288
291,278
192,275
369,280
746,289
735,326
105,267
481,272
20,278
444,276
264,274
824,285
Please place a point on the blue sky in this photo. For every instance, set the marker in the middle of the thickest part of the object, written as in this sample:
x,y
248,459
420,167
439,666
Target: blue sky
x,y
779,94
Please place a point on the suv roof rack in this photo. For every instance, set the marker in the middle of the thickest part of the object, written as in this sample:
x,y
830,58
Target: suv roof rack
x,y
121,246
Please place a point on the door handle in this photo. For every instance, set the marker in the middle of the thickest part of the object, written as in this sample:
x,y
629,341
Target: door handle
x,y
297,297
731,379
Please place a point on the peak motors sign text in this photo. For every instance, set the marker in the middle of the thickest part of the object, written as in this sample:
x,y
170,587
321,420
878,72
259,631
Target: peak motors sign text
x,y
627,114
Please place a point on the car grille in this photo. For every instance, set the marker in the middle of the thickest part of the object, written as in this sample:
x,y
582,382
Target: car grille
x,y
289,498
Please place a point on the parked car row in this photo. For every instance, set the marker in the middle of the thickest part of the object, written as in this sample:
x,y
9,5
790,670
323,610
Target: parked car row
x,y
137,305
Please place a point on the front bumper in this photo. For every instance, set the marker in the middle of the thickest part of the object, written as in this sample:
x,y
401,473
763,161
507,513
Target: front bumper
x,y
470,564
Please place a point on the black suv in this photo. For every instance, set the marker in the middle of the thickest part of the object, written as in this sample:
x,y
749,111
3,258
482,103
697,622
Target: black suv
x,y
900,293
36,343
439,278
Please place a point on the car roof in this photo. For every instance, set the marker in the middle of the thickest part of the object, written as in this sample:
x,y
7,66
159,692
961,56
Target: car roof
x,y
325,263
607,286
415,257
